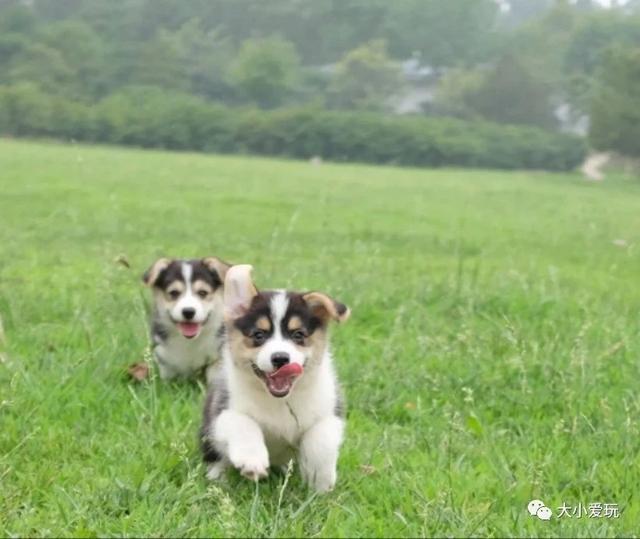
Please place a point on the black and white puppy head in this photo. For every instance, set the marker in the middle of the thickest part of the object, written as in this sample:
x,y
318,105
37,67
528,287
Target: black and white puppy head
x,y
186,292
276,333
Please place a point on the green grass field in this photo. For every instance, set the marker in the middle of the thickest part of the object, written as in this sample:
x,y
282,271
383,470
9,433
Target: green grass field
x,y
491,358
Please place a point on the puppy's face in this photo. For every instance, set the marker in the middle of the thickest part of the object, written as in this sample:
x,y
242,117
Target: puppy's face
x,y
276,333
186,291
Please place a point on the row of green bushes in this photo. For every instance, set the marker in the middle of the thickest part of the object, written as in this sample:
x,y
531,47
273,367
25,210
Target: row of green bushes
x,y
153,119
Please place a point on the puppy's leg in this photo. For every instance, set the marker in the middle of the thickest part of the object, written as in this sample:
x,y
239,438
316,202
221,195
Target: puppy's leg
x,y
216,469
166,372
215,461
244,443
210,374
319,453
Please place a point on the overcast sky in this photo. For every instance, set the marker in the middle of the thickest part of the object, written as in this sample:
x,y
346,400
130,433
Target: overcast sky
x,y
606,3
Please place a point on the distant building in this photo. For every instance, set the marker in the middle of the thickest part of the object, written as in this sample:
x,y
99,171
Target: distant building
x,y
419,90
420,86
570,121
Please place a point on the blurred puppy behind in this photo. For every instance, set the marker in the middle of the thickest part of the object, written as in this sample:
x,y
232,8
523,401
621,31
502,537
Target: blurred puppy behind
x,y
275,394
187,317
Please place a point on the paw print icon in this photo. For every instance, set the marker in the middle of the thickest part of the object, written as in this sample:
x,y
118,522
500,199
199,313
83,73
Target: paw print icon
x,y
537,508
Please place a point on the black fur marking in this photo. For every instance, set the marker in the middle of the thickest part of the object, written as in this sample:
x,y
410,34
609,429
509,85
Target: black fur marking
x,y
173,272
200,272
216,402
260,307
203,273
221,336
298,307
210,454
340,307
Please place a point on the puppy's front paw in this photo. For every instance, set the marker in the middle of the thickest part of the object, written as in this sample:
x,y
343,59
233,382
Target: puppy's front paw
x,y
321,480
253,464
215,470
254,468
325,482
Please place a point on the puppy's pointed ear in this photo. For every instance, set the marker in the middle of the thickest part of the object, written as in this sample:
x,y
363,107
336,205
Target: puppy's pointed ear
x,y
217,267
326,308
239,291
150,276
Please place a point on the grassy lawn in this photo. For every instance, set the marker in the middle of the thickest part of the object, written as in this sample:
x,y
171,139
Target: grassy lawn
x,y
492,356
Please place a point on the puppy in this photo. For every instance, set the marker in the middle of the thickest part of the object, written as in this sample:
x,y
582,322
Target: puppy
x,y
275,393
187,313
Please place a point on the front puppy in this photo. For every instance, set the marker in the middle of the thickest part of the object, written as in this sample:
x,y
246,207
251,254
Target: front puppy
x,y
275,395
187,314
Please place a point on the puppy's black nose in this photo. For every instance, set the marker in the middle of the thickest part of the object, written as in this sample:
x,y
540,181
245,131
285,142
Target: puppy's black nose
x,y
279,359
188,312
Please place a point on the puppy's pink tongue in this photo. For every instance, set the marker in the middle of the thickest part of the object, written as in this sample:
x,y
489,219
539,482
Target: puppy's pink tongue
x,y
290,369
189,329
279,382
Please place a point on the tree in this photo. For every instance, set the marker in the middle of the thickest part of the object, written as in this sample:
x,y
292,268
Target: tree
x,y
446,33
594,35
11,45
365,78
542,43
511,94
43,66
81,51
615,114
17,25
586,48
522,11
453,91
17,19
160,62
266,71
206,57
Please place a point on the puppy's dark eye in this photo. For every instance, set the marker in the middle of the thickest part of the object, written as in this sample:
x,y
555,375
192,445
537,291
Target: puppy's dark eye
x,y
298,336
174,294
258,337
203,293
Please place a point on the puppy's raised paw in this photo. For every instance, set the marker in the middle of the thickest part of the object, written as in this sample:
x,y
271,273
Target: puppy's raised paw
x,y
254,470
253,465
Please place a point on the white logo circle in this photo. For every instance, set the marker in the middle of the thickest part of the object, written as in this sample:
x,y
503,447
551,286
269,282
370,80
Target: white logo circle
x,y
537,508
544,513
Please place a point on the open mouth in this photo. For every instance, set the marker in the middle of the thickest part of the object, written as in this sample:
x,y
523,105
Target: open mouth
x,y
189,330
279,382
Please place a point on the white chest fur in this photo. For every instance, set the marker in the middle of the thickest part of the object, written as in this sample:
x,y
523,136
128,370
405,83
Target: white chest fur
x,y
179,356
283,421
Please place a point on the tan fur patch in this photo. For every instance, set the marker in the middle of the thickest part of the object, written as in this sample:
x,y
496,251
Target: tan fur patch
x,y
201,285
175,285
294,323
325,307
242,350
263,323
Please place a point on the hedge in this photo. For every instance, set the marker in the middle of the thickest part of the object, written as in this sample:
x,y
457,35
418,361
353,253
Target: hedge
x,y
151,118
